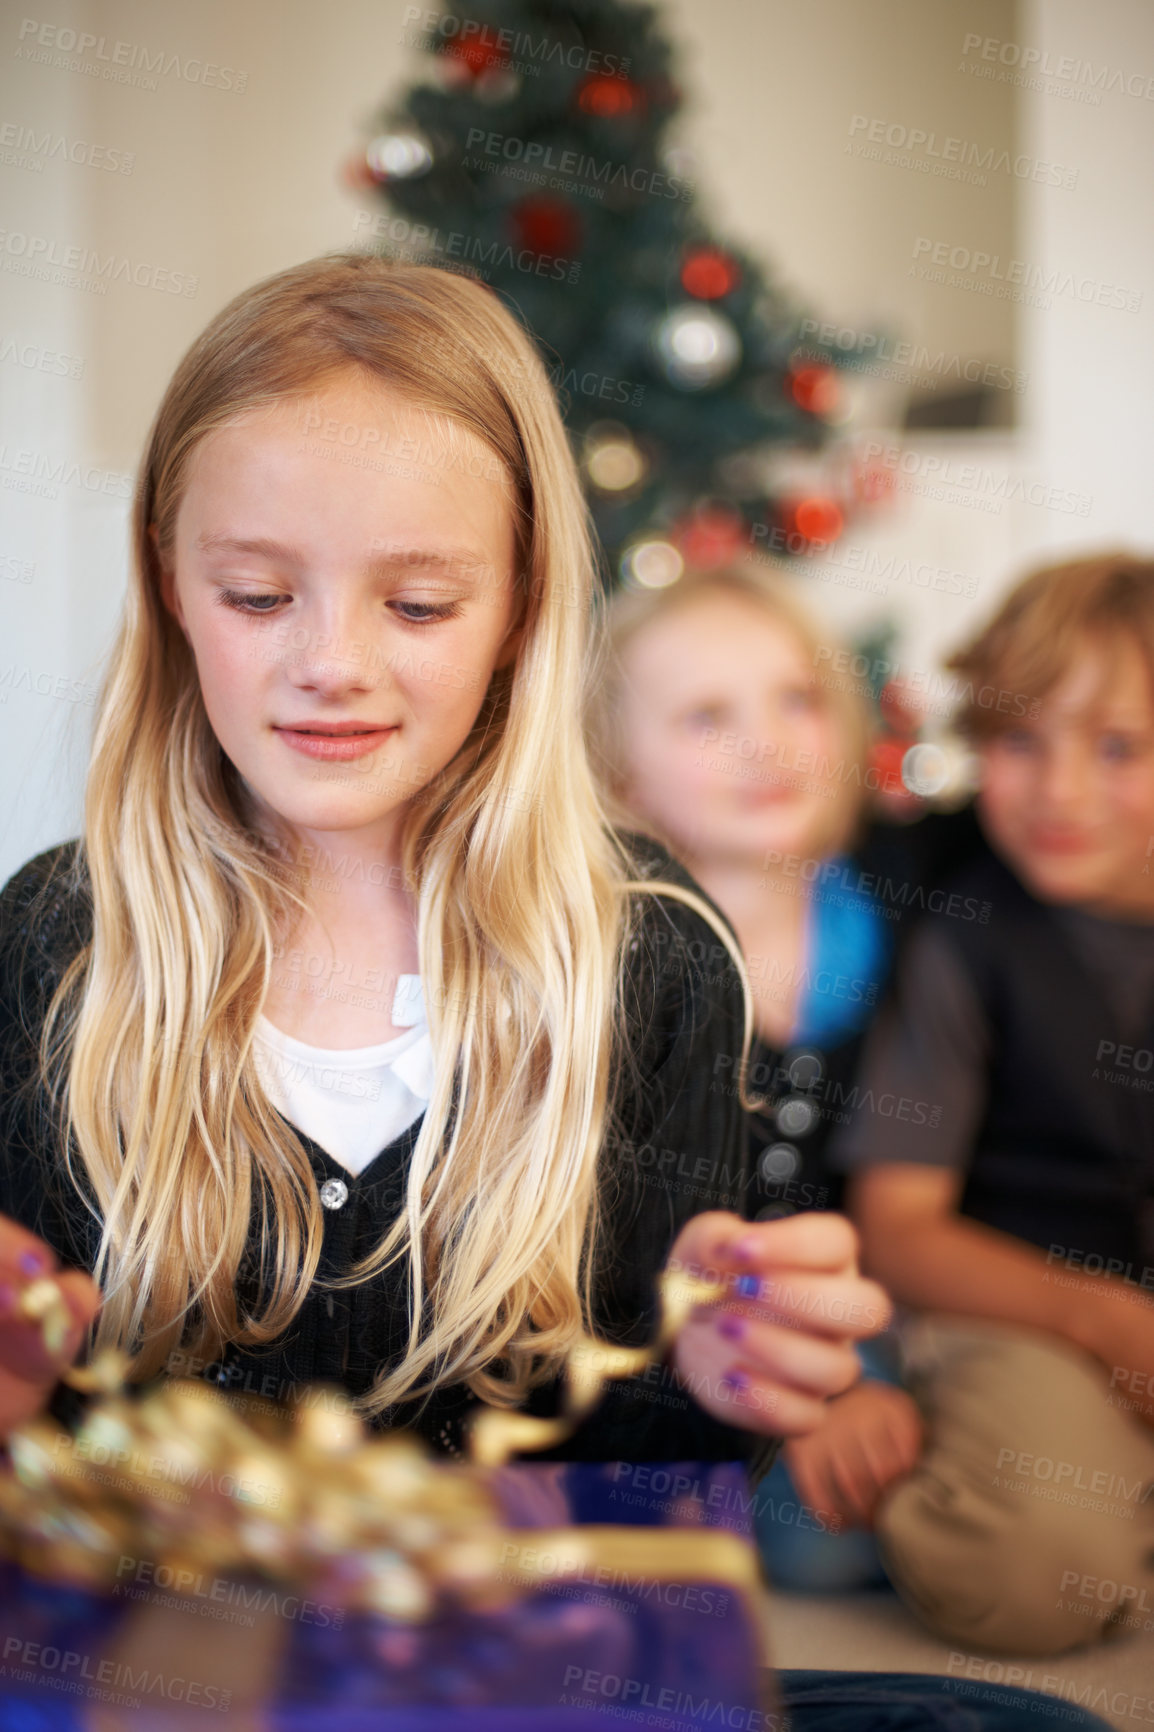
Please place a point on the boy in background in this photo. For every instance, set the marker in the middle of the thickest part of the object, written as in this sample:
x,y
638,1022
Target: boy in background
x,y
1020,1228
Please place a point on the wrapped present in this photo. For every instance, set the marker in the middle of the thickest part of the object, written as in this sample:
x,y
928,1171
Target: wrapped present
x,y
176,1560
601,1633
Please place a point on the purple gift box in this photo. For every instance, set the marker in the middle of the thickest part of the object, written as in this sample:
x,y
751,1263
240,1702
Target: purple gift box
x,y
596,1645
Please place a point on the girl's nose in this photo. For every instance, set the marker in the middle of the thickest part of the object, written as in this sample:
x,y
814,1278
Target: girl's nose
x,y
333,654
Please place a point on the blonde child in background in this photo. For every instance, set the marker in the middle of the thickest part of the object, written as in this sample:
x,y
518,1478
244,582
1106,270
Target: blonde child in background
x,y
718,737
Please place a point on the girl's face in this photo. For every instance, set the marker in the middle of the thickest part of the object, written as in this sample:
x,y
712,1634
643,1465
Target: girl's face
x,y
729,744
1068,797
343,569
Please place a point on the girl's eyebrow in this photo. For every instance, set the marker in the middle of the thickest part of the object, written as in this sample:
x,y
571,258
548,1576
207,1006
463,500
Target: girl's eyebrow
x,y
448,560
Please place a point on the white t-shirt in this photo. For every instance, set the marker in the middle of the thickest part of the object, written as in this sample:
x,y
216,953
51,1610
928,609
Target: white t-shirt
x,y
352,1101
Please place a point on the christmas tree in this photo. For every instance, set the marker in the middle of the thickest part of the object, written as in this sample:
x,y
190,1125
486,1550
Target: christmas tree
x,y
536,155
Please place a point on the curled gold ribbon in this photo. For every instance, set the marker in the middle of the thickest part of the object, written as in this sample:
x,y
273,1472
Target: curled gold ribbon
x,y
495,1435
305,1495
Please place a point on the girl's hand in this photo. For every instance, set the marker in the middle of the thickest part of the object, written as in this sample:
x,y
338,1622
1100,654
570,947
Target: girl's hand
x,y
769,1357
28,1370
871,1437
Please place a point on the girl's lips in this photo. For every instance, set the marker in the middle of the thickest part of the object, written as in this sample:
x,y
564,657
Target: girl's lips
x,y
334,746
1059,842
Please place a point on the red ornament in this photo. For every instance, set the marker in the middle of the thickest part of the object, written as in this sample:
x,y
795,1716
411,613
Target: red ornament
x,y
609,98
480,53
711,537
708,273
546,224
817,519
885,760
815,389
356,173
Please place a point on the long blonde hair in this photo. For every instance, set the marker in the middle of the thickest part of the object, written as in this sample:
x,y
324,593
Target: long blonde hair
x,y
523,893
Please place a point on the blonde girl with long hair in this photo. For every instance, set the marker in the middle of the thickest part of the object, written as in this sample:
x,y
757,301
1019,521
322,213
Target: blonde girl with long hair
x,y
350,1040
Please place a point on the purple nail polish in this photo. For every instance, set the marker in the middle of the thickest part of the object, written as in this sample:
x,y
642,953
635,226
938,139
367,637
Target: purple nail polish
x,y
34,1262
731,1328
736,1381
747,1286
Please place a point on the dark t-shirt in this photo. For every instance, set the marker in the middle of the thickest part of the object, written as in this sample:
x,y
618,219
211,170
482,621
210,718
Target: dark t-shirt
x,y
678,1149
935,1041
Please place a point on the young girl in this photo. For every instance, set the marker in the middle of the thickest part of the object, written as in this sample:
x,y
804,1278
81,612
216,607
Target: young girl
x,y
338,760
720,739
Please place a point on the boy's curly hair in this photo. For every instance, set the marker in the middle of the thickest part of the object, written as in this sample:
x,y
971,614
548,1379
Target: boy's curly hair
x,y
1042,626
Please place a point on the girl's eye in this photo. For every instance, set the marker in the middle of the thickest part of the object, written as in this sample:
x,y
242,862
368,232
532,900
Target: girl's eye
x,y
425,612
1120,748
246,602
799,701
708,716
1018,740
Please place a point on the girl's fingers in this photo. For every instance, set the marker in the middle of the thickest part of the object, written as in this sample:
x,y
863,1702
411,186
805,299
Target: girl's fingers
x,y
818,1303
27,1349
815,1240
744,1398
715,1243
811,1367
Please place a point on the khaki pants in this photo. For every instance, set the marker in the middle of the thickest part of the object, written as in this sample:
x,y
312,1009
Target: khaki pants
x,y
1028,1525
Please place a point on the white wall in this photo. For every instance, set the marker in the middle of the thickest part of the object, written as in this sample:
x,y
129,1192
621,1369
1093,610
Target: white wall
x,y
1090,416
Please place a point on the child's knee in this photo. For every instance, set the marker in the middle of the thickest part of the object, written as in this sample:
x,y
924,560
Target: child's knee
x,y
1009,1576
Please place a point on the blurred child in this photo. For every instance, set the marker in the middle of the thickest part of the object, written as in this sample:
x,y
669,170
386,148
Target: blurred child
x,y
1021,1225
719,738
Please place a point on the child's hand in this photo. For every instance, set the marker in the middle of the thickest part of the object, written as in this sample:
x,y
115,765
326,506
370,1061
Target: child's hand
x,y
871,1436
769,1357
28,1368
